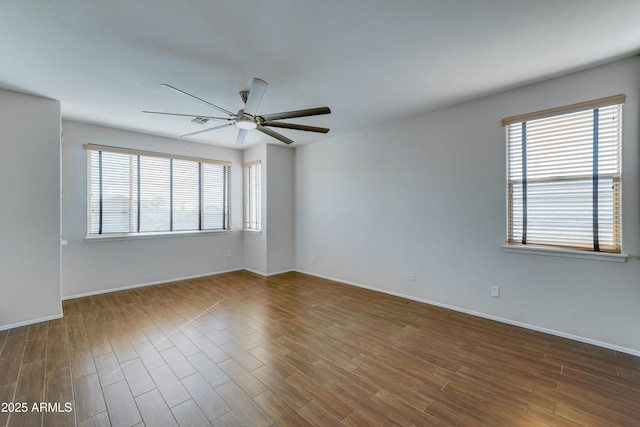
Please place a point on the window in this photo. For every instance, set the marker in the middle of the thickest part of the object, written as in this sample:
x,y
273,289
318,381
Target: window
x,y
140,192
563,177
252,196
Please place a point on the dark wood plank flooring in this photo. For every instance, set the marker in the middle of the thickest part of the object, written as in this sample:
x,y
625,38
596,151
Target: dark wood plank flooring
x,y
238,349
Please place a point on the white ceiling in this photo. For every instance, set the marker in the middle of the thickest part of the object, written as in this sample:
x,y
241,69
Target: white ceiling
x,y
368,60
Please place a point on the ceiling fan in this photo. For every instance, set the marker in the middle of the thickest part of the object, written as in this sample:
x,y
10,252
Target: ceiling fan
x,y
247,118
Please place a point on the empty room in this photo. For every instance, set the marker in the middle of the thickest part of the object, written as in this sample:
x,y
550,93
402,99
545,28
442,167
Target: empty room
x,y
320,213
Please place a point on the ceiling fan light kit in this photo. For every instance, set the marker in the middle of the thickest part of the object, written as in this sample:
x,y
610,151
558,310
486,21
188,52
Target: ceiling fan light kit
x,y
247,119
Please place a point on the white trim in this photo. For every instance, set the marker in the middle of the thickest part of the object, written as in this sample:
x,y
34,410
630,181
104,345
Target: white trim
x,y
567,253
260,273
142,285
268,274
30,322
485,316
280,272
156,235
134,152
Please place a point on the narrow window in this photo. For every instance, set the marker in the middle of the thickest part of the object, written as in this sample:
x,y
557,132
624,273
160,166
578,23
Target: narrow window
x,y
252,196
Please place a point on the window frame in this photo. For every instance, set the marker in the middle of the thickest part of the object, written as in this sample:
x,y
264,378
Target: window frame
x,y
564,249
252,195
134,199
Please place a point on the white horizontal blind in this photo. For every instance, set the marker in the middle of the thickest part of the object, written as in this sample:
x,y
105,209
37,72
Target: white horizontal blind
x,y
563,180
252,196
215,196
109,192
139,193
154,175
186,195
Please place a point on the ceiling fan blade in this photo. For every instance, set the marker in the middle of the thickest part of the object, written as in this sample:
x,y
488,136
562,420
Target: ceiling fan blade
x,y
242,134
198,99
297,113
207,130
296,127
275,135
187,115
256,92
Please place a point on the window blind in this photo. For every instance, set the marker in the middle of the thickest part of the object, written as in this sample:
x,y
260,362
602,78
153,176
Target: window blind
x,y
215,196
110,186
252,196
563,178
142,192
154,196
185,203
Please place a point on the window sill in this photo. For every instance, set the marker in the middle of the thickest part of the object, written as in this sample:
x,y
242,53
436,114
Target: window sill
x,y
139,236
567,253
250,231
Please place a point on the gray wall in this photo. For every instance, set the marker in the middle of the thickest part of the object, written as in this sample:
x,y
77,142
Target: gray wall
x,y
280,209
91,267
427,195
30,214
255,243
271,251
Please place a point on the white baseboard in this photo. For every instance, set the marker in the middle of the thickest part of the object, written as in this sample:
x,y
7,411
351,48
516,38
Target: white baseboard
x,y
484,315
160,282
30,322
142,285
268,274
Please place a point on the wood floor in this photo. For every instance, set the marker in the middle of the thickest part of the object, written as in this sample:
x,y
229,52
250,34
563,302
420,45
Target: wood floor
x,y
293,350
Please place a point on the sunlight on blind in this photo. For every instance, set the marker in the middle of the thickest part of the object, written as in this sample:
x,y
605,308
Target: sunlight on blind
x,y
563,180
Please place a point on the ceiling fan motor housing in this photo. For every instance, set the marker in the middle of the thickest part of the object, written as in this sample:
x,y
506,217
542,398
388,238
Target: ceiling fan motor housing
x,y
245,121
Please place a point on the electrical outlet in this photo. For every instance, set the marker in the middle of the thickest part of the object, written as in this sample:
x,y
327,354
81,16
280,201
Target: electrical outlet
x,y
313,258
412,276
229,254
495,292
